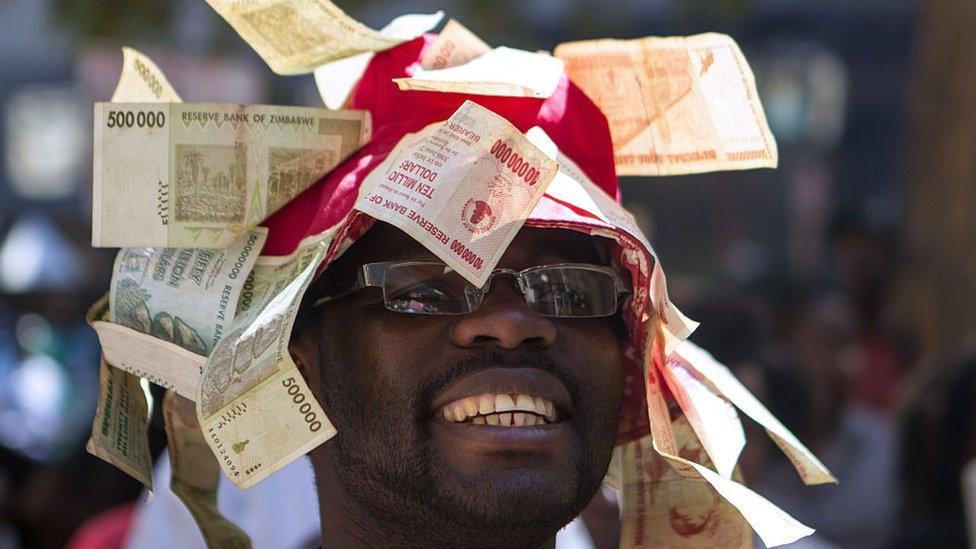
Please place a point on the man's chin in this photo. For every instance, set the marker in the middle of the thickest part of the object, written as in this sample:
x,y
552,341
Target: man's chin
x,y
439,489
512,475
516,503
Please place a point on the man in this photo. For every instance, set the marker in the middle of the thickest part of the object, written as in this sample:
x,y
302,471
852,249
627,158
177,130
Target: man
x,y
489,428
486,416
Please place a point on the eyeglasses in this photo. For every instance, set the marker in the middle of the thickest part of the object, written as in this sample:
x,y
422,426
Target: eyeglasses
x,y
565,290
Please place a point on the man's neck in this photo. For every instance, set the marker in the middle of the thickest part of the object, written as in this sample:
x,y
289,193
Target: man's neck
x,y
346,526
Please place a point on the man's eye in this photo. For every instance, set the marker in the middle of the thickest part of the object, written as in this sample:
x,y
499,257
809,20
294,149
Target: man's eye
x,y
564,295
423,297
427,292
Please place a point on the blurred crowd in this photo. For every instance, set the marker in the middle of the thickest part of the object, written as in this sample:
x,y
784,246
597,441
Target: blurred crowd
x,y
830,360
791,273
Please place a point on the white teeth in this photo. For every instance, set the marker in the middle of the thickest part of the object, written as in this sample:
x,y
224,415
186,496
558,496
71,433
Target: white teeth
x,y
486,405
519,410
504,403
540,405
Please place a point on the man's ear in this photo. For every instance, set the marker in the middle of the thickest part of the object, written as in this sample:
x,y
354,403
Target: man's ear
x,y
305,353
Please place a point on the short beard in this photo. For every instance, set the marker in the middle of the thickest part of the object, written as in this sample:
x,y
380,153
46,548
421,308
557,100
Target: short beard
x,y
389,470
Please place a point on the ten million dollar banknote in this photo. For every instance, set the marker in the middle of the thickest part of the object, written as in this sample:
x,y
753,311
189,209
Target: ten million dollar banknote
x,y
200,175
676,105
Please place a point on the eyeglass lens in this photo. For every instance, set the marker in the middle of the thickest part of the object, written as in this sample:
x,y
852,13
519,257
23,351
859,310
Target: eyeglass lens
x,y
558,291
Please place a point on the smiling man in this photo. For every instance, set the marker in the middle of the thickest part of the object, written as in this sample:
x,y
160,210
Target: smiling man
x,y
482,333
480,415
466,417
487,416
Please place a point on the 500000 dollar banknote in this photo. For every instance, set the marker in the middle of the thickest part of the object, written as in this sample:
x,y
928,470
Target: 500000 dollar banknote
x,y
676,105
122,416
254,406
142,81
199,175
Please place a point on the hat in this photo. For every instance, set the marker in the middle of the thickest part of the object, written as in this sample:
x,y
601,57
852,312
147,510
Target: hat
x,y
660,367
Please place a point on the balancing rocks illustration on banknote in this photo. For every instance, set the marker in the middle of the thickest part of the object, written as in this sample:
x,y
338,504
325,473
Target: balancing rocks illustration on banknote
x,y
226,215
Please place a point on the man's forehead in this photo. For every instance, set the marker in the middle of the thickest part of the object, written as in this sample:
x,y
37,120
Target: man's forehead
x,y
531,246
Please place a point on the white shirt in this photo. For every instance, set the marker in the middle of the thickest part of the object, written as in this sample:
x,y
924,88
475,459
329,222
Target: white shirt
x,y
281,511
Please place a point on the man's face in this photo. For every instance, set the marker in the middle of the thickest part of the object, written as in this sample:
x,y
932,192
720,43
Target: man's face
x,y
427,439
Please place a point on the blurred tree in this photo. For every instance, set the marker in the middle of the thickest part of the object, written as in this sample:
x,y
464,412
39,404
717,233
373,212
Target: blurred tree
x,y
125,19
938,283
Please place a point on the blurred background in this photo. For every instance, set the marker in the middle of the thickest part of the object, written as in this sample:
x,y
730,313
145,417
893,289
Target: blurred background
x,y
839,286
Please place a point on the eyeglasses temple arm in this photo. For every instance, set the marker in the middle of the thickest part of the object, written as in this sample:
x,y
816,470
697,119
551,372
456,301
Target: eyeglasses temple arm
x,y
370,274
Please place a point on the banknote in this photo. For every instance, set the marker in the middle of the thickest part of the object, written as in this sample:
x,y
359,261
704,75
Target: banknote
x,y
196,474
200,175
167,307
142,81
572,186
676,105
462,188
171,366
159,361
660,508
455,45
773,525
271,274
296,36
501,71
336,79
253,404
810,469
122,416
121,419
184,295
712,418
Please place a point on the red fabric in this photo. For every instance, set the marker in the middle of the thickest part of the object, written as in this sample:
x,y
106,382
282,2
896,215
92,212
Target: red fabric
x,y
878,378
106,530
573,122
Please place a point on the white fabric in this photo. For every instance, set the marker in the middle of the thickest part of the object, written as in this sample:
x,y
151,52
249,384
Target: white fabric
x,y
280,512
574,536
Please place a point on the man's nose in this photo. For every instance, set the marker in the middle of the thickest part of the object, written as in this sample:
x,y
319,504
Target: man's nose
x,y
503,320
